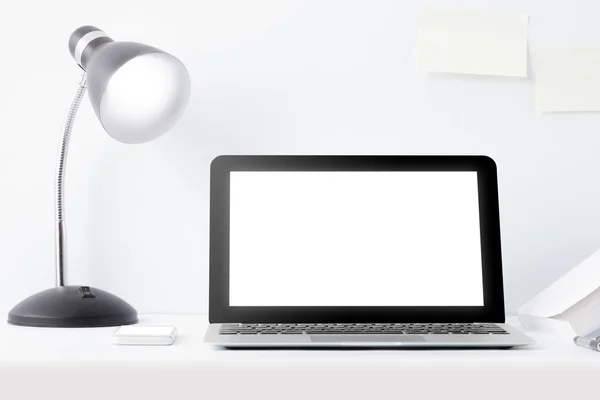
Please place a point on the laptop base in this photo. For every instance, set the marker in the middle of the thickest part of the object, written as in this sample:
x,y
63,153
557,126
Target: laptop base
x,y
513,338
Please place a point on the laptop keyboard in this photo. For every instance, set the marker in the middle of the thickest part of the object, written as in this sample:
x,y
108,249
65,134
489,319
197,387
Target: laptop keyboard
x,y
353,329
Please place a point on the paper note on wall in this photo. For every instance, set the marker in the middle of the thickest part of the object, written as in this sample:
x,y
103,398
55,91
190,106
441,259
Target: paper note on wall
x,y
469,43
567,79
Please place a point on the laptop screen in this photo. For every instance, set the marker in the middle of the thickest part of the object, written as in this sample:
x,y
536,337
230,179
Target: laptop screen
x,y
354,238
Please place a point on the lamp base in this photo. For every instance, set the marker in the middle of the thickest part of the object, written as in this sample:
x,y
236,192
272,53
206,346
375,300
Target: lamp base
x,y
73,307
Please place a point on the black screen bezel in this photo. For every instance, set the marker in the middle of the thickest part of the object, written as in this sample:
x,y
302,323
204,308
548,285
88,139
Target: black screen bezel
x,y
221,312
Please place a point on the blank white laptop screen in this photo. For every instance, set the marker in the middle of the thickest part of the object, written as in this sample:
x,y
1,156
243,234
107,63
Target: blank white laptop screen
x,y
346,238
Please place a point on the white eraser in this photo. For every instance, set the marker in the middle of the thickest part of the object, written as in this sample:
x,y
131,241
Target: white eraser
x,y
144,335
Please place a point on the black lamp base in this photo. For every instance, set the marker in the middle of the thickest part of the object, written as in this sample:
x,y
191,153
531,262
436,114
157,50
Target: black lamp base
x,y
73,307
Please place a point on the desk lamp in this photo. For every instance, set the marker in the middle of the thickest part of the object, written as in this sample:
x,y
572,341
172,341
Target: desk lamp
x,y
138,92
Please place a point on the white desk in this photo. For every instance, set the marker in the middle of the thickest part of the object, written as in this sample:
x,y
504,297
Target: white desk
x,y
80,364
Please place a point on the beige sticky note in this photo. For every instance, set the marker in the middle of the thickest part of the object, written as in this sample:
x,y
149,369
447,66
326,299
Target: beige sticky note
x,y
472,43
567,79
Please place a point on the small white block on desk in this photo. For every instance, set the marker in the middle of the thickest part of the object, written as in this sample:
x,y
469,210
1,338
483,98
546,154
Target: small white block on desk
x,y
144,335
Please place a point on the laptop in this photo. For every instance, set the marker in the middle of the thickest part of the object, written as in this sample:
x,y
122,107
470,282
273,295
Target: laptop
x,y
356,251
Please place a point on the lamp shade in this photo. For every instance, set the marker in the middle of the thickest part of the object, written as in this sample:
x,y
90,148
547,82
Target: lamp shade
x,y
137,91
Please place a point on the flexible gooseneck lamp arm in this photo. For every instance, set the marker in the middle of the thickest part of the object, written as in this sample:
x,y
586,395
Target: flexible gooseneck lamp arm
x,y
59,190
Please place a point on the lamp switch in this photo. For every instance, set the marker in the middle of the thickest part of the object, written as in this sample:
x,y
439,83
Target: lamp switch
x,y
86,292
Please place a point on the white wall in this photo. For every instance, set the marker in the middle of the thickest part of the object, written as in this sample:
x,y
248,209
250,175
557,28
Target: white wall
x,y
289,77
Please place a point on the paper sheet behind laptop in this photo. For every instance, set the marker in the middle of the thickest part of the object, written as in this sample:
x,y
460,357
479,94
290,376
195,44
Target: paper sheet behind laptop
x,y
567,79
470,43
574,299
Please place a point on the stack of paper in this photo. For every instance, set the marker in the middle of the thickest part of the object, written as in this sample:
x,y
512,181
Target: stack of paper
x,y
574,300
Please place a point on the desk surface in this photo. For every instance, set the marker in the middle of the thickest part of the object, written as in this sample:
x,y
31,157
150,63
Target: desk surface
x,y
52,354
22,345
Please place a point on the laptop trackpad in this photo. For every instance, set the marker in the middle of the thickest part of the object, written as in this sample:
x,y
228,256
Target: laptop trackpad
x,y
367,338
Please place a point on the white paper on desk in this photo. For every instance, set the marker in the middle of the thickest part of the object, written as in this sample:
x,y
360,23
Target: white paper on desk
x,y
574,299
567,79
469,43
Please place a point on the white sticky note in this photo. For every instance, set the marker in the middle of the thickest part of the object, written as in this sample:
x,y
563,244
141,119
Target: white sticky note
x,y
470,43
567,79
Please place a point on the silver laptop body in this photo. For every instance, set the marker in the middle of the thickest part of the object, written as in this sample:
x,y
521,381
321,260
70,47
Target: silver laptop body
x,y
356,251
